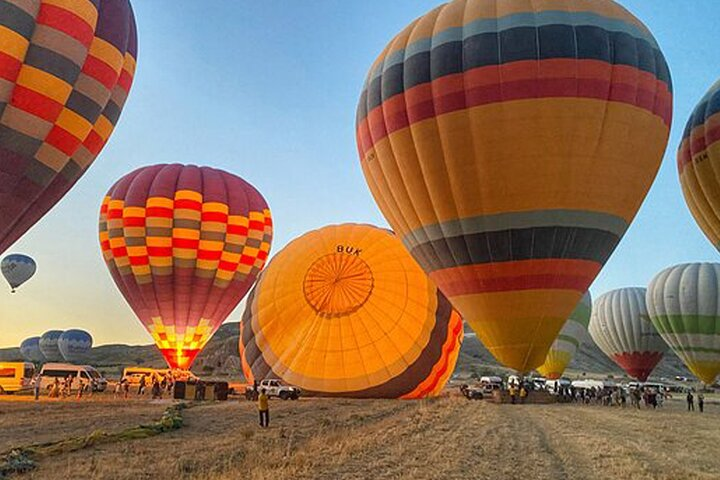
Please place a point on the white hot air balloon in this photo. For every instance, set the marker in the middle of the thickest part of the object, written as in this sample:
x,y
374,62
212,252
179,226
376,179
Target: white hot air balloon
x,y
684,305
621,327
17,269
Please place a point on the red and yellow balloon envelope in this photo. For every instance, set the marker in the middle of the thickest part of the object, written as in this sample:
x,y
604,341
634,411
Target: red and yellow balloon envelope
x,y
510,144
346,311
698,162
65,72
184,245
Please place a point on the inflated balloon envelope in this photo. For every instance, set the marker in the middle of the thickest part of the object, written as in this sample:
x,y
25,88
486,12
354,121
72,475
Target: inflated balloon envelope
x,y
184,244
345,311
66,70
510,145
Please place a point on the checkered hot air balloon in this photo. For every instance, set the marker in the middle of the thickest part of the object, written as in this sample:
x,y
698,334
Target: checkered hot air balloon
x,y
510,143
65,72
184,244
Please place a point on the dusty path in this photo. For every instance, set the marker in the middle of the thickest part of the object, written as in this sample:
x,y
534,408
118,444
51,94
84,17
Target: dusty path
x,y
447,438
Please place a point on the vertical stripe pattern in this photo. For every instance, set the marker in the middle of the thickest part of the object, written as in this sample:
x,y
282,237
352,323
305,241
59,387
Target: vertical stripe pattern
x,y
684,305
621,327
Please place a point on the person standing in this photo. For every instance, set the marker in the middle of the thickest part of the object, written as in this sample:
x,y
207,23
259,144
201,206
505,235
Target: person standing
x,y
523,394
125,387
141,385
36,387
263,409
701,402
690,401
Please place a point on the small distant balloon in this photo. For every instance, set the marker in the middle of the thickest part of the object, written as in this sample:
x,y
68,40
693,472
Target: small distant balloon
x,y
49,346
17,269
30,350
75,345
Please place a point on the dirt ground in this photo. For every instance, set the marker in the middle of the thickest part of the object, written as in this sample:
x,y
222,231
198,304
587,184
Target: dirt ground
x,y
446,438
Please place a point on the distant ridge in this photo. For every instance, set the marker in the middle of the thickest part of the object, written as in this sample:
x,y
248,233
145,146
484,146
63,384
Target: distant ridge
x,y
220,358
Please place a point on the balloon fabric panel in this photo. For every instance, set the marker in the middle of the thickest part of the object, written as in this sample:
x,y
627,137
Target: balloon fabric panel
x,y
495,137
184,244
568,341
65,73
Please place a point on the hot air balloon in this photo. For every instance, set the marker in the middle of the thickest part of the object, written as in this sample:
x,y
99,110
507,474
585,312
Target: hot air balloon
x,y
684,305
49,346
346,311
568,341
184,244
621,327
74,345
698,160
510,144
30,350
66,71
17,269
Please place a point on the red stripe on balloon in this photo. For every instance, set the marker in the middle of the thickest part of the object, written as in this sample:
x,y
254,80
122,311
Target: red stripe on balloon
x,y
516,81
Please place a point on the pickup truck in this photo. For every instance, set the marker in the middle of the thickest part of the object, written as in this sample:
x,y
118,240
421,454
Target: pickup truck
x,y
273,388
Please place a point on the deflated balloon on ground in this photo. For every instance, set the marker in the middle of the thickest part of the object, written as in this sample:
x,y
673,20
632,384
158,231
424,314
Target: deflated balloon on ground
x,y
346,311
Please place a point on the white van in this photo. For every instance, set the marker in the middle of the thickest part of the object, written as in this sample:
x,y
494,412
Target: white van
x,y
61,371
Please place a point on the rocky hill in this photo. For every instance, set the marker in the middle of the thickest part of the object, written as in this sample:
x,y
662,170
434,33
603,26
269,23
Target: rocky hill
x,y
220,359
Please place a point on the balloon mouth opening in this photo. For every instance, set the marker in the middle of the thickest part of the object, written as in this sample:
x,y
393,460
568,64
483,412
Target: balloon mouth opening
x,y
338,284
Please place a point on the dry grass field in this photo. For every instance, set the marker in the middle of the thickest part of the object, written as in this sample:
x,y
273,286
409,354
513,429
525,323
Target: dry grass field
x,y
446,438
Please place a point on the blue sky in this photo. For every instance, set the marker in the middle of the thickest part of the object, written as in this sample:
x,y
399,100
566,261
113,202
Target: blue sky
x,y
268,90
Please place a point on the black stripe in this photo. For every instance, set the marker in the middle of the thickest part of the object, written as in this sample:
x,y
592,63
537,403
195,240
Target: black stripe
x,y
84,106
512,45
53,63
702,112
16,19
519,244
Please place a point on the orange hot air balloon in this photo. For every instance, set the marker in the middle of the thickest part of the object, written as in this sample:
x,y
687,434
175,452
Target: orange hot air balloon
x,y
184,244
345,311
510,144
66,68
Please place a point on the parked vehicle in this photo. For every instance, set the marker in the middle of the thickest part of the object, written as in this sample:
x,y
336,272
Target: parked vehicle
x,y
472,392
16,377
555,386
134,374
273,388
86,373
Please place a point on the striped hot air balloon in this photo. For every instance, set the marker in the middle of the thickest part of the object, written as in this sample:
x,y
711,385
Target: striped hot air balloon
x,y
346,311
621,327
699,160
510,144
65,72
184,245
568,341
684,305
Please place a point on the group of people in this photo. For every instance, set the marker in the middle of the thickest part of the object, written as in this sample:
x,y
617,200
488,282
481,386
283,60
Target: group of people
x,y
690,398
63,388
517,394
158,384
